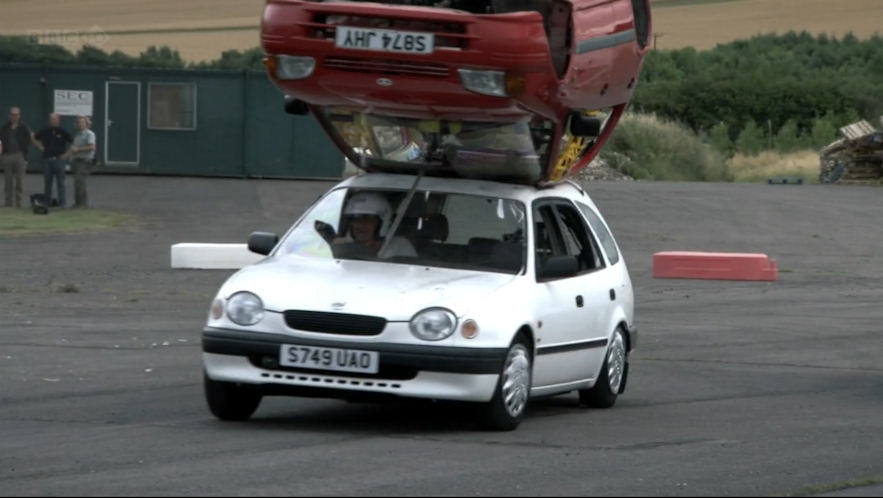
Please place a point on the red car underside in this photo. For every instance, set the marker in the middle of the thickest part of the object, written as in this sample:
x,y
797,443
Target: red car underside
x,y
564,57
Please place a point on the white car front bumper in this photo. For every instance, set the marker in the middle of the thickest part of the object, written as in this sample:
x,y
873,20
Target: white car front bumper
x,y
434,385
434,372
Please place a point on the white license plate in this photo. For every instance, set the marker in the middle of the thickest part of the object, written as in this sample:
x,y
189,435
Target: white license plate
x,y
319,358
387,40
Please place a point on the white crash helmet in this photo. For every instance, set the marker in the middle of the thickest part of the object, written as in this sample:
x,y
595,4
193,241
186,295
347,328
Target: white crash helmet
x,y
370,203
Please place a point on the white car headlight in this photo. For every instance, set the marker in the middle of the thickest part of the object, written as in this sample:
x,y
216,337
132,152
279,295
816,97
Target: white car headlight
x,y
290,67
433,324
245,308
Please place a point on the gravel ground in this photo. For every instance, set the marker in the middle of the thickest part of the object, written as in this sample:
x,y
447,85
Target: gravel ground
x,y
737,388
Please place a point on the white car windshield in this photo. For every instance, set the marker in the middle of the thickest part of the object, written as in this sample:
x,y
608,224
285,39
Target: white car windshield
x,y
438,229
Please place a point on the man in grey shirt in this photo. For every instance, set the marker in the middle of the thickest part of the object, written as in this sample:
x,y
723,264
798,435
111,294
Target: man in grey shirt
x,y
82,153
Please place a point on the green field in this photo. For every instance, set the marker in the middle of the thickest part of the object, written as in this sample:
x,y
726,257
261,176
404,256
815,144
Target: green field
x,y
23,221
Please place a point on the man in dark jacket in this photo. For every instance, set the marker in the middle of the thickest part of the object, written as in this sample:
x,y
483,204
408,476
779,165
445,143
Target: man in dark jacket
x,y
16,138
54,141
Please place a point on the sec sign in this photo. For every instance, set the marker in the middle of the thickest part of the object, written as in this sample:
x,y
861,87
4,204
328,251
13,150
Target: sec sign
x,y
73,102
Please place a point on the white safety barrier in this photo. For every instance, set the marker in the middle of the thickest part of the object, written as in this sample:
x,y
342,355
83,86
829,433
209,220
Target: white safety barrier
x,y
212,256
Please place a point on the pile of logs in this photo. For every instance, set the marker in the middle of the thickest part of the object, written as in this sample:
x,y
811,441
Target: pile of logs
x,y
857,157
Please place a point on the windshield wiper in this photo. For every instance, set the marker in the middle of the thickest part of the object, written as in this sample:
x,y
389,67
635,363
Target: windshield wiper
x,y
357,258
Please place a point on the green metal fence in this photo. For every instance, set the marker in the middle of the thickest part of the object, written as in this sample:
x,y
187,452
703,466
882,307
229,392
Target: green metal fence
x,y
175,122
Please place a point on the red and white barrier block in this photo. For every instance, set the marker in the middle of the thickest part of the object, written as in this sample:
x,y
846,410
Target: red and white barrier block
x,y
715,266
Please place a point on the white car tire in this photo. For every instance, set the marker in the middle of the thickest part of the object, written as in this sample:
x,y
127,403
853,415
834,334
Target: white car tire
x,y
506,409
229,401
611,380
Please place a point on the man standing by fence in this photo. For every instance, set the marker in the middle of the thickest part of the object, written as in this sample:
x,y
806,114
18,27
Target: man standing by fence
x,y
82,153
54,141
16,138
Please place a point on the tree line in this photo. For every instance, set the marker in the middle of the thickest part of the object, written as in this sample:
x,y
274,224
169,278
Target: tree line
x,y
783,92
24,49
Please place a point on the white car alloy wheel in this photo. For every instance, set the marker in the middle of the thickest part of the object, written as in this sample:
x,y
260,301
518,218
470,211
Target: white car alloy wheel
x,y
516,380
616,362
612,376
506,409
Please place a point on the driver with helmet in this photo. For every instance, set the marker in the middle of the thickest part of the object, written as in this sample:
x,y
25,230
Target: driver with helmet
x,y
367,220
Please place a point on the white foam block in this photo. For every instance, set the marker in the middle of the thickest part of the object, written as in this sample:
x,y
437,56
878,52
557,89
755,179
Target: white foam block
x,y
212,256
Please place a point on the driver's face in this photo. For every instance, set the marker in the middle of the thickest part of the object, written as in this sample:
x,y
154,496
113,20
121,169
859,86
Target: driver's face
x,y
364,227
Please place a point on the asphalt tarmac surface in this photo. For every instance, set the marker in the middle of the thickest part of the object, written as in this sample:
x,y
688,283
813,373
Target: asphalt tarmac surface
x,y
736,388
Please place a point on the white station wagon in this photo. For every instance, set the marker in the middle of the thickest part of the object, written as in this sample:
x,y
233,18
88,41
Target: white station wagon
x,y
427,287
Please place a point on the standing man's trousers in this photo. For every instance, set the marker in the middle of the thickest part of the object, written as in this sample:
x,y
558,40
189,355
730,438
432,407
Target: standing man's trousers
x,y
13,177
81,172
